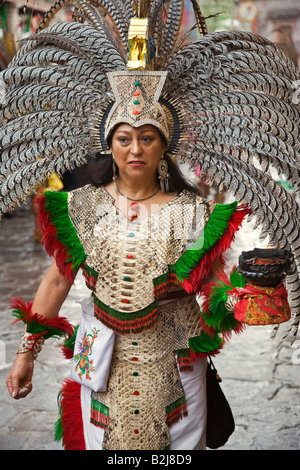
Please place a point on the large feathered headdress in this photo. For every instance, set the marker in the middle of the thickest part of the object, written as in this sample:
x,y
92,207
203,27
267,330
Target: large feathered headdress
x,y
224,102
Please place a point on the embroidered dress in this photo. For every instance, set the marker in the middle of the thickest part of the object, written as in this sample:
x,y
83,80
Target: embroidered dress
x,y
144,277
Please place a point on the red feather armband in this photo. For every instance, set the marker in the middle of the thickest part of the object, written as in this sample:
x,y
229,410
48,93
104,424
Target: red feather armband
x,y
37,327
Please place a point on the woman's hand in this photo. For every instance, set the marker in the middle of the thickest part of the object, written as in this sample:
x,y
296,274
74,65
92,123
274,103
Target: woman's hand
x,y
19,381
48,300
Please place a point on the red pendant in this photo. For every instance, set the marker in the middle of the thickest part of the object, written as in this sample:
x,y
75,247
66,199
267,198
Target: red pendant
x,y
134,206
135,209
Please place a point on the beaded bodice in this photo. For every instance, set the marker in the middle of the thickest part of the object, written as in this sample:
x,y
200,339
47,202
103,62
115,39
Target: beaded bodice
x,y
129,263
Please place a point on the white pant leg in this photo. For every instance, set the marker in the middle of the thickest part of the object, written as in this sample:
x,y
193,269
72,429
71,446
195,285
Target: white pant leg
x,y
189,432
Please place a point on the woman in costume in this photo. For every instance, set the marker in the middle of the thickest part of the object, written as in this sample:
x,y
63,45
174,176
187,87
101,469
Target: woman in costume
x,y
147,242
129,244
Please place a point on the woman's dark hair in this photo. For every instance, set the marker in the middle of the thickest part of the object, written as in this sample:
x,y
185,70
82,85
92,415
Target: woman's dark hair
x,y
102,174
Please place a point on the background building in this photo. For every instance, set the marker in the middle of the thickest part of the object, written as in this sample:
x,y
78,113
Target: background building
x,y
280,21
276,20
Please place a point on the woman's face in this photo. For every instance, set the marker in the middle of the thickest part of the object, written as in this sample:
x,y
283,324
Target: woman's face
x,y
137,152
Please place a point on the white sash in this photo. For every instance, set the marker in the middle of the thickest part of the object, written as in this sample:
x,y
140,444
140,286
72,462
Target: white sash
x,y
92,351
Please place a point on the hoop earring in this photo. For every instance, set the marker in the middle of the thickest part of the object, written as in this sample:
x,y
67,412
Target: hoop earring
x,y
163,175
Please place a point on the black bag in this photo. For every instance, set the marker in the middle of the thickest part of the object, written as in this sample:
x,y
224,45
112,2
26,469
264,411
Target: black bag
x,y
220,422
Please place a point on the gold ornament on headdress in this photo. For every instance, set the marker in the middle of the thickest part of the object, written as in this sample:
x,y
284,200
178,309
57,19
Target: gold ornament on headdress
x,y
137,90
138,41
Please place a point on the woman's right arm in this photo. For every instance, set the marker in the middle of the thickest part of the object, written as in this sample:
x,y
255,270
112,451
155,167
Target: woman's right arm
x,y
48,300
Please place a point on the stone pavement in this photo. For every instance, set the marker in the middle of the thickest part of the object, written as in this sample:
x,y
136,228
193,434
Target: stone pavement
x,y
261,382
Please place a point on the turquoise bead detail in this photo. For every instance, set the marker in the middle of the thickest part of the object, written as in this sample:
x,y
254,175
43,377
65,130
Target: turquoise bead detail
x,y
131,234
136,102
137,83
134,343
127,278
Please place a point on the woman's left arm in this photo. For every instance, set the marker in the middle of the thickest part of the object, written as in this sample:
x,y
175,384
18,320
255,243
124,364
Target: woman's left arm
x,y
51,293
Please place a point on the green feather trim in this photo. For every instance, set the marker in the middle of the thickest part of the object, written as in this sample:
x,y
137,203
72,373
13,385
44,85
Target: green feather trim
x,y
37,324
58,428
214,229
205,344
56,204
219,317
35,327
69,344
237,279
70,341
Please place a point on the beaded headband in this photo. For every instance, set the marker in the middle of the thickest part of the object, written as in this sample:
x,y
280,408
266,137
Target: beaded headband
x,y
137,94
